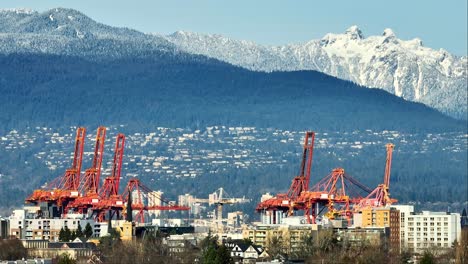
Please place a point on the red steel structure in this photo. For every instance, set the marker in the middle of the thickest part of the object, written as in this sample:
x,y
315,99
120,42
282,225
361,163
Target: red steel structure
x,y
144,199
90,183
380,196
301,183
336,192
65,188
286,202
109,199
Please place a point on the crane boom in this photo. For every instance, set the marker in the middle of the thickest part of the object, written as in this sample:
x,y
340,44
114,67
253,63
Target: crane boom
x,y
93,174
388,164
71,179
111,183
301,183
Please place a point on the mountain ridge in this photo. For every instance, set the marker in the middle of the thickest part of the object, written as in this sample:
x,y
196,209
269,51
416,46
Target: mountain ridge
x,y
405,68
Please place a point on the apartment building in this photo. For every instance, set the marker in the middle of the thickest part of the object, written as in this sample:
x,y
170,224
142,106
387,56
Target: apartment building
x,y
291,236
24,226
385,217
427,229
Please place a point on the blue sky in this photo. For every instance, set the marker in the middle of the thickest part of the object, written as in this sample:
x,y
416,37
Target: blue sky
x,y
440,24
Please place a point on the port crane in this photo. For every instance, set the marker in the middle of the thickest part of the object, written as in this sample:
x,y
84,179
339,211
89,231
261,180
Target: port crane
x,y
89,187
64,189
287,202
110,201
334,192
76,194
380,196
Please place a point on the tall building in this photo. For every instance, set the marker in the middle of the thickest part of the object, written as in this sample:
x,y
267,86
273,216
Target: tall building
x,y
427,229
385,217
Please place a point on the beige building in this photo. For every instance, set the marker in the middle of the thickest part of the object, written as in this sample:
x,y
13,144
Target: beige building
x,y
385,217
45,249
375,236
291,236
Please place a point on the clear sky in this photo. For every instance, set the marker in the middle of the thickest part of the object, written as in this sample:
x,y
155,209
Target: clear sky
x,y
439,24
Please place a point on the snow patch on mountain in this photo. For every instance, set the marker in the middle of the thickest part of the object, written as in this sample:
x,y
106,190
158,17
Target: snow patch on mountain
x,y
403,67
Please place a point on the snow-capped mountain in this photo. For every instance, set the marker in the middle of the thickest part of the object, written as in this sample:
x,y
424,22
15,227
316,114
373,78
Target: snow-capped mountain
x,y
69,32
404,68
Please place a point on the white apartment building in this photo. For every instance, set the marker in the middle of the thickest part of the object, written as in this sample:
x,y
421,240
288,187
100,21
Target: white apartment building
x,y
23,226
427,229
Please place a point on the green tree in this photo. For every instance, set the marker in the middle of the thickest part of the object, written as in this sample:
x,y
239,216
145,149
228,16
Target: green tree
x,y
223,256
62,234
212,253
67,234
72,235
65,258
79,231
88,232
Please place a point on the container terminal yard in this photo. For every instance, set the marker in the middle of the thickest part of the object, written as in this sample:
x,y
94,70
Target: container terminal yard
x,y
337,202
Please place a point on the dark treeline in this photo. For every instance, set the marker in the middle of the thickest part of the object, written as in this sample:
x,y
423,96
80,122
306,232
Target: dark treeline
x,y
189,91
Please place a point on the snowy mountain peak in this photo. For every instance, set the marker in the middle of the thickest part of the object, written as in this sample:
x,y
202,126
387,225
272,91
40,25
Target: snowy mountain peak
x,y
25,11
354,33
388,32
403,67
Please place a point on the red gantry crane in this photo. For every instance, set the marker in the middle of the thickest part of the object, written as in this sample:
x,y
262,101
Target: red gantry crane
x,y
334,192
90,183
64,189
286,202
109,199
380,196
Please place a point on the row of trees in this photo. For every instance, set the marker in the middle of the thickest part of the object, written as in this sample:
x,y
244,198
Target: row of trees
x,y
66,234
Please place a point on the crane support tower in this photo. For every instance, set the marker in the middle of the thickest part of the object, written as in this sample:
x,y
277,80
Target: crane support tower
x,y
380,196
90,183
